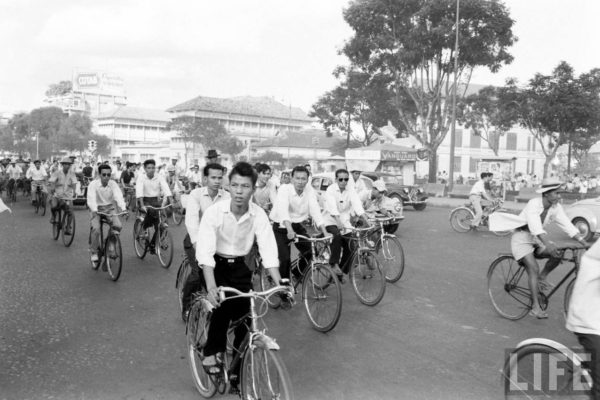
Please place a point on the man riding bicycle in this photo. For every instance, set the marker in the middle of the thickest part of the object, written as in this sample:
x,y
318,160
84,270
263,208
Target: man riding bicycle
x,y
148,191
376,202
197,203
62,184
478,191
227,232
38,176
14,173
101,195
530,240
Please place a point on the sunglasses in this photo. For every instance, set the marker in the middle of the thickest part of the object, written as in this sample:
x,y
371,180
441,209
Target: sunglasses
x,y
105,174
343,179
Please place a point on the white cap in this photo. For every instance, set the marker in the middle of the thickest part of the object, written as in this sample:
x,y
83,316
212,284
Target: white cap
x,y
380,185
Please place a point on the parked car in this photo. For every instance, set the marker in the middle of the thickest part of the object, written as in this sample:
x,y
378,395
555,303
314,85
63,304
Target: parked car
x,y
585,215
409,195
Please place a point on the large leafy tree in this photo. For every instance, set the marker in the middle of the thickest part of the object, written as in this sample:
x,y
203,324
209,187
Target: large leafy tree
x,y
410,45
59,89
557,109
74,133
486,115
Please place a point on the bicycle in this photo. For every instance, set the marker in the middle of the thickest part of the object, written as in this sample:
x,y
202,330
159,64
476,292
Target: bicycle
x,y
40,200
321,288
130,200
389,248
64,221
461,217
365,271
183,272
263,374
177,212
110,253
508,286
523,370
11,191
163,245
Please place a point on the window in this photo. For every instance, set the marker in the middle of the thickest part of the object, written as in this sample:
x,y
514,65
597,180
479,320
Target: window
x,y
472,165
475,141
146,156
511,141
458,138
457,163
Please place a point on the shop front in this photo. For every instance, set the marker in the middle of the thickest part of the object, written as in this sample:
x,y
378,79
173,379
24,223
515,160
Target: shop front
x,y
384,157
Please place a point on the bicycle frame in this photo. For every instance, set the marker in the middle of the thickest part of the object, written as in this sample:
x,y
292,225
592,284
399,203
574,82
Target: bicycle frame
x,y
316,258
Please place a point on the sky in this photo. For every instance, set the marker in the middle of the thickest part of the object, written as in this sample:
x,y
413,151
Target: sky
x,y
168,52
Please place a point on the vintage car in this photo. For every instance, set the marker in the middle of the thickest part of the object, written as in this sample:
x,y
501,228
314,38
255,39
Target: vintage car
x,y
413,196
585,215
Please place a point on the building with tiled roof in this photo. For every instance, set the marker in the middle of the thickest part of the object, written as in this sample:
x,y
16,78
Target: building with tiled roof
x,y
128,125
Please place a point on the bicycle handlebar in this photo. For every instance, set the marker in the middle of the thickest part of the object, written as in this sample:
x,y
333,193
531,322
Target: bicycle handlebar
x,y
65,198
239,294
112,215
312,239
159,208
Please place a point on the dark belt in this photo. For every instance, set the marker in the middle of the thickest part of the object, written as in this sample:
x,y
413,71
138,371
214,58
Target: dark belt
x,y
230,260
524,228
150,198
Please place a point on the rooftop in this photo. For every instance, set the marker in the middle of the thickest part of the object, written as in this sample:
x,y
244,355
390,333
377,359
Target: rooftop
x,y
246,105
137,113
303,139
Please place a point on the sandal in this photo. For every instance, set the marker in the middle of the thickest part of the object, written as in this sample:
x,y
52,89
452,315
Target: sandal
x,y
539,315
210,365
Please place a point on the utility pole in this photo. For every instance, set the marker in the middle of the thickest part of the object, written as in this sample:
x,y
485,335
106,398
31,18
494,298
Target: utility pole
x,y
453,130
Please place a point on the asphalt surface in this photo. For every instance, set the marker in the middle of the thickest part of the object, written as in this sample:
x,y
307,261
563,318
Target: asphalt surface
x,y
68,332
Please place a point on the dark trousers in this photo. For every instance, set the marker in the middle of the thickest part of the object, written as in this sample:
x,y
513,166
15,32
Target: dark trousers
x,y
236,275
195,280
283,248
339,245
151,218
591,344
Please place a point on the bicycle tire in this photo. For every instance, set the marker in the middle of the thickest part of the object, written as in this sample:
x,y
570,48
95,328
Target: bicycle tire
x,y
164,248
266,283
182,274
367,277
391,255
567,296
139,245
524,358
68,221
96,265
320,285
37,202
508,288
460,219
56,225
44,203
264,375
113,256
196,334
177,216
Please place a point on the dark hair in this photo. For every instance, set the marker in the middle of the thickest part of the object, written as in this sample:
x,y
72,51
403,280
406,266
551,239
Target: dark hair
x,y
307,165
215,166
299,168
149,161
261,168
104,166
483,175
341,171
244,169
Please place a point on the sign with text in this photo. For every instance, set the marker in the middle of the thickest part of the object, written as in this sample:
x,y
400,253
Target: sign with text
x,y
98,82
389,155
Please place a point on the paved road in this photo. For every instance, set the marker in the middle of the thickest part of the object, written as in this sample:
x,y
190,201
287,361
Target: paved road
x,y
68,332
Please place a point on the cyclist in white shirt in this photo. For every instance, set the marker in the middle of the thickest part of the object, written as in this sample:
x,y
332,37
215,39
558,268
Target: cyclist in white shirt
x,y
14,173
38,176
478,192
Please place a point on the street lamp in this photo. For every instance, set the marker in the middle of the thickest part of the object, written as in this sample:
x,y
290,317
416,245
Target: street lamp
x,y
37,145
453,131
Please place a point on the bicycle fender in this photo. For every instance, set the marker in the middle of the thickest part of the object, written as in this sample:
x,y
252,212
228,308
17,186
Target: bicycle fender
x,y
567,352
265,342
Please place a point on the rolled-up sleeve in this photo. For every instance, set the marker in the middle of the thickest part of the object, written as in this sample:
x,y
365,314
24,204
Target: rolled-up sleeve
x,y
207,235
265,238
192,218
91,197
356,203
564,222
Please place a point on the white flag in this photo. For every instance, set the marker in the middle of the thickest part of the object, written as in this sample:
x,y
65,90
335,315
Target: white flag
x,y
3,207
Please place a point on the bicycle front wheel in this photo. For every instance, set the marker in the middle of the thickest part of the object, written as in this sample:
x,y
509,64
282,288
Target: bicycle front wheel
x,y
391,256
139,241
508,288
182,274
264,375
68,228
524,369
567,298
367,277
56,226
197,333
114,256
460,219
164,248
43,203
322,297
38,198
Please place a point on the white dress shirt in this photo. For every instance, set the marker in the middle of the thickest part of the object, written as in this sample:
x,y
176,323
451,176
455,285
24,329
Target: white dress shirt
x,y
584,307
98,195
220,233
478,189
36,174
342,204
146,187
196,205
289,206
14,172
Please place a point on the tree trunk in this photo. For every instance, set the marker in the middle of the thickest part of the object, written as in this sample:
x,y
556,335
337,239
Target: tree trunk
x,y
432,165
569,159
547,165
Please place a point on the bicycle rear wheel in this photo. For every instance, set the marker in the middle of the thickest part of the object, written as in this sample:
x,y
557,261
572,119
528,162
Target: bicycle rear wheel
x,y
56,225
322,297
508,288
113,256
197,333
139,242
164,248
391,256
68,224
37,201
524,369
264,375
460,219
367,277
182,274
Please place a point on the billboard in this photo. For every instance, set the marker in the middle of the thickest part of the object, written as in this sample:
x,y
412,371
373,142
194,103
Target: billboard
x,y
98,82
